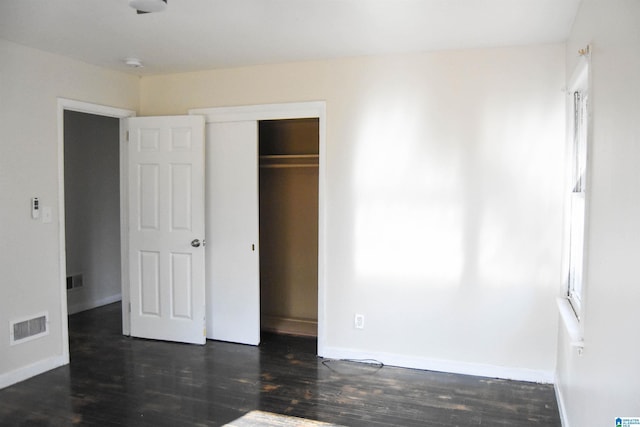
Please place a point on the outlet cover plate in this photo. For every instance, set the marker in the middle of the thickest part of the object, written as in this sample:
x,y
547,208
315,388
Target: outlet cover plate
x,y
358,321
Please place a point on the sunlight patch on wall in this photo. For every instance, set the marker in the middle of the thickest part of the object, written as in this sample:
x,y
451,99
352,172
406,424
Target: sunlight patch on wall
x,y
401,241
523,171
407,223
451,203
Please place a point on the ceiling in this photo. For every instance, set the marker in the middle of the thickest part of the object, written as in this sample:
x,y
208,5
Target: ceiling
x,y
202,34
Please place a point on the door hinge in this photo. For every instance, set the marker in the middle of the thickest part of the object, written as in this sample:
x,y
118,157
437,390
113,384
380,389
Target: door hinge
x,y
127,137
129,307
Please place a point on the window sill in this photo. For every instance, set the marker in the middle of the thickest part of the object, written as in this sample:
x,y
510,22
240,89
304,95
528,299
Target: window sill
x,y
570,322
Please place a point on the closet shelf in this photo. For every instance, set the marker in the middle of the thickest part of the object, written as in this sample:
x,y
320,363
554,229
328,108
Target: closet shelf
x,y
289,161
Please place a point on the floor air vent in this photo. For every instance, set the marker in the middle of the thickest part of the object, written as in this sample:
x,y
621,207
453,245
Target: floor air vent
x,y
29,329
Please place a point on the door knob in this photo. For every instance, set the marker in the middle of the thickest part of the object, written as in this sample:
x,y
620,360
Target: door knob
x,y
195,243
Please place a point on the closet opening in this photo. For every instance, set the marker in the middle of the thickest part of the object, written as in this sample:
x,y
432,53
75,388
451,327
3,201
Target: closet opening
x,y
288,188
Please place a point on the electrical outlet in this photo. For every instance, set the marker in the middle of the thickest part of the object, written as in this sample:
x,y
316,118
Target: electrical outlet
x,y
358,321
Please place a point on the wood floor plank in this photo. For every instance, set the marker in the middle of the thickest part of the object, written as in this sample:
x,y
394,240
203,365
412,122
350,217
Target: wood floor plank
x,y
114,380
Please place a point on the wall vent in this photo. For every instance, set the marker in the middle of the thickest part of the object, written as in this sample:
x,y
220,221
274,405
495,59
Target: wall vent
x,y
75,281
28,329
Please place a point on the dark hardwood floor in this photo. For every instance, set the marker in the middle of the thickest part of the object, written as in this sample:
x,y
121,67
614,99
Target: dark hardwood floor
x,y
114,380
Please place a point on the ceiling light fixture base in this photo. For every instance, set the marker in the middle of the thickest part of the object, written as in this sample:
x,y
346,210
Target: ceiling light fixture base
x,y
133,62
148,6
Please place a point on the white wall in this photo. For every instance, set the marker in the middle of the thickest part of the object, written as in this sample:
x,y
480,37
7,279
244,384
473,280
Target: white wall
x,y
92,208
444,201
30,82
602,383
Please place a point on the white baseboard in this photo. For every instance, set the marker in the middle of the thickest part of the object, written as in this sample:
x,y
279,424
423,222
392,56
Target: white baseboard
x,y
32,370
450,366
88,305
561,405
286,325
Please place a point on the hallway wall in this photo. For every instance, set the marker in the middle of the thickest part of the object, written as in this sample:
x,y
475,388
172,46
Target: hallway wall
x,y
92,208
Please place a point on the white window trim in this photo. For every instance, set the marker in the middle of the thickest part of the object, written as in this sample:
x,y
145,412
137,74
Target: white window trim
x,y
572,309
577,194
570,321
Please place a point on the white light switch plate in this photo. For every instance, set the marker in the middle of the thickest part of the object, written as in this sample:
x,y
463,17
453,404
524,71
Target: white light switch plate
x,y
47,215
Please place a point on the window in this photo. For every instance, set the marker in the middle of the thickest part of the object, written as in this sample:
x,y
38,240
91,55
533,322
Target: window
x,y
577,187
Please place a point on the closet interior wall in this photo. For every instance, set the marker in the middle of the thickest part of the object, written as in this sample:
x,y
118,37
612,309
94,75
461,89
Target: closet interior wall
x,y
289,225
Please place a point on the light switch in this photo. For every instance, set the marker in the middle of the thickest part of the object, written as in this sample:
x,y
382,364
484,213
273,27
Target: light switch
x,y
46,214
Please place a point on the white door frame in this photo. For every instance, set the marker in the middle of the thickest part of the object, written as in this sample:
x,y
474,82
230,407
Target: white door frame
x,y
295,110
98,110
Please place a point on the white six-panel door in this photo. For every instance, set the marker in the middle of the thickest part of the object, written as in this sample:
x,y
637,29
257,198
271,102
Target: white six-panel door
x,y
167,228
233,263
